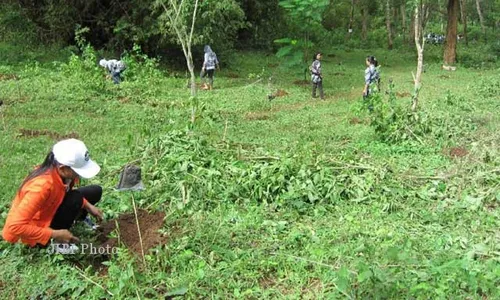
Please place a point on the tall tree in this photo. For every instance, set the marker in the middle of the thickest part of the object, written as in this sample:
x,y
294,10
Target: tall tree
x,y
403,20
364,24
351,20
481,19
463,13
388,21
450,49
419,43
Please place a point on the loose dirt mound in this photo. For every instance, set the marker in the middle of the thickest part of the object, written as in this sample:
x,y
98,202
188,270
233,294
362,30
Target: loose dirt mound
x,y
8,77
301,82
124,99
281,93
456,152
356,121
127,228
54,135
257,116
403,94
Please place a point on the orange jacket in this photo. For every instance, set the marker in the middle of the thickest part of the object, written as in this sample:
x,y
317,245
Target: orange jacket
x,y
34,208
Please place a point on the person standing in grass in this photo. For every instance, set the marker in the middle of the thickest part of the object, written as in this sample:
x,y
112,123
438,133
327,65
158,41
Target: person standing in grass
x,y
317,76
210,61
46,205
114,68
372,79
372,76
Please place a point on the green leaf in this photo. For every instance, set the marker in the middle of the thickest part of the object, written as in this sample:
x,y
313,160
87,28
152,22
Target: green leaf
x,y
177,292
284,51
283,41
363,276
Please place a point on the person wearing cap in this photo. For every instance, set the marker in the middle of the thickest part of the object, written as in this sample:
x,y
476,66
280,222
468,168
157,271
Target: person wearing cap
x,y
114,68
46,205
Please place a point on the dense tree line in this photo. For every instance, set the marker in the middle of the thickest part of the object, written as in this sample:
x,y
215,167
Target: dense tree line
x,y
116,25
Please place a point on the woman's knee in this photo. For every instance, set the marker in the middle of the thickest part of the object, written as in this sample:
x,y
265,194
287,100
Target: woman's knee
x,y
92,193
73,200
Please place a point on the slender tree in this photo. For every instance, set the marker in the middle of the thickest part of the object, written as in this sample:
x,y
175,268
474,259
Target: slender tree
x,y
480,14
419,43
177,14
403,20
364,23
351,20
388,24
450,49
463,13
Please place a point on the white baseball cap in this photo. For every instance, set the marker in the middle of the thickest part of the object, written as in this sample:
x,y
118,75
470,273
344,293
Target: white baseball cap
x,y
74,154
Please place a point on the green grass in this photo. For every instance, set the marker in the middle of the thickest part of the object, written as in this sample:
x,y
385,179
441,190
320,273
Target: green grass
x,y
402,220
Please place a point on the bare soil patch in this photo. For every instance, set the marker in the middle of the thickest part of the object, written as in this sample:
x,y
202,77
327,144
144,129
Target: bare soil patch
x,y
403,94
149,224
301,82
455,152
124,99
8,77
280,93
356,121
32,133
257,115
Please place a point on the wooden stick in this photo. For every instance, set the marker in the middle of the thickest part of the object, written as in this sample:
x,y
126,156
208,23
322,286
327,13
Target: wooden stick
x,y
139,230
93,282
3,120
253,83
261,158
225,131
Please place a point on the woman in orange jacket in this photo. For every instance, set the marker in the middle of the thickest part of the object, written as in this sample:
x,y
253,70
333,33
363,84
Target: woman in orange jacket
x,y
46,205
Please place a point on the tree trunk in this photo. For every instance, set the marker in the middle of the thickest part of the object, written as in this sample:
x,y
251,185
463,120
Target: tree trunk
x,y
481,19
463,11
184,38
351,21
411,40
419,43
388,24
364,27
403,21
450,49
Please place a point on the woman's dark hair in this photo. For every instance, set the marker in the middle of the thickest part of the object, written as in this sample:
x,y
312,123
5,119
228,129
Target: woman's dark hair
x,y
372,60
47,164
316,55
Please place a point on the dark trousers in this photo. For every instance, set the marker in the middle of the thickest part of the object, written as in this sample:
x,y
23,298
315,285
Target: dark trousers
x,y
116,77
318,85
71,206
210,74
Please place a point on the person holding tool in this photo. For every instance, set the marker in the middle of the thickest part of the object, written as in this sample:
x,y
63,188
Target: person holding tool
x,y
46,205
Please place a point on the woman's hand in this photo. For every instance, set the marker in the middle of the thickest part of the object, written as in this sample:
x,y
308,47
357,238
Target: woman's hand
x,y
64,236
96,212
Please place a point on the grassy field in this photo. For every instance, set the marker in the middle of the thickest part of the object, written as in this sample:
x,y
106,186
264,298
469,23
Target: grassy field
x,y
289,198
